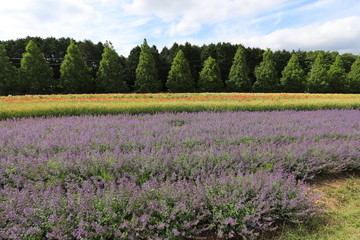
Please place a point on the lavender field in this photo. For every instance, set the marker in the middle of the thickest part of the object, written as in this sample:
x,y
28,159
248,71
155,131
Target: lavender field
x,y
168,175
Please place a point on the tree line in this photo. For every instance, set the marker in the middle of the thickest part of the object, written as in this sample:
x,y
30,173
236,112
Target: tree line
x,y
47,66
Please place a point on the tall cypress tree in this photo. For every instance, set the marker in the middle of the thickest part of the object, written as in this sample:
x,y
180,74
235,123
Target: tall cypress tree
x,y
75,74
8,74
130,67
210,77
337,76
318,81
354,76
239,79
180,78
110,76
293,76
146,73
265,73
36,77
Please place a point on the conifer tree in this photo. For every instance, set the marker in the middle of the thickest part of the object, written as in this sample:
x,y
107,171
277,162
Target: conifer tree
x,y
8,74
130,67
338,81
318,81
75,74
354,76
180,78
293,76
146,73
210,77
265,73
239,79
36,77
110,76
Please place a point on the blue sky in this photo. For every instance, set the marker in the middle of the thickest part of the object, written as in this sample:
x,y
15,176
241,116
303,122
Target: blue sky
x,y
332,25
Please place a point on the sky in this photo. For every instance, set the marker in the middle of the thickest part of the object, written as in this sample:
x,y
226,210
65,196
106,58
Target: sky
x,y
330,25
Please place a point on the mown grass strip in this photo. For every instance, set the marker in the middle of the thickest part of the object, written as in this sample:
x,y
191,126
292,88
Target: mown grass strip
x,y
340,221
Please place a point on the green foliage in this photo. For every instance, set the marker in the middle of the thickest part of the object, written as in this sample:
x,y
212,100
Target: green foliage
x,y
75,74
180,78
354,76
223,53
146,73
192,54
348,59
265,73
8,74
328,58
281,59
55,49
165,65
156,56
338,81
318,81
35,73
253,57
210,77
110,77
130,67
239,80
293,76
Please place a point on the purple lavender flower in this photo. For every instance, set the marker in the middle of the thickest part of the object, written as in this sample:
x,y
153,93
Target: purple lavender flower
x,y
135,176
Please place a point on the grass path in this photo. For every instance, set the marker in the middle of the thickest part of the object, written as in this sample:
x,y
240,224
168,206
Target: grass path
x,y
341,220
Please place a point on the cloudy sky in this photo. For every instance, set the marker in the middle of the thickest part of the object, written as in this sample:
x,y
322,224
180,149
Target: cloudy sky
x,y
277,24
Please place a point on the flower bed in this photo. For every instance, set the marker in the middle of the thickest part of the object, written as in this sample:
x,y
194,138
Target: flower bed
x,y
66,105
167,175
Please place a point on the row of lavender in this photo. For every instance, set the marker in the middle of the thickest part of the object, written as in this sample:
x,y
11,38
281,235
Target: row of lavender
x,y
167,175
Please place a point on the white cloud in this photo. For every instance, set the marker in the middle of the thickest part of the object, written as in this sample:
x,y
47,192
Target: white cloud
x,y
340,34
273,23
97,20
187,16
41,18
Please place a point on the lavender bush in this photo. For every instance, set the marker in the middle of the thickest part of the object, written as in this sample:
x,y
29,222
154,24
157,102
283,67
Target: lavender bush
x,y
167,176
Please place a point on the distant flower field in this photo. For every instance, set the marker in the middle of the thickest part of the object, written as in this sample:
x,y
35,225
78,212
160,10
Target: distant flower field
x,y
169,175
65,105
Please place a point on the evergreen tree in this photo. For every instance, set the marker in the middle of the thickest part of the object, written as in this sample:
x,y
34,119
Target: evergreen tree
x,y
223,53
253,58
75,74
130,67
318,81
110,76
348,59
180,78
146,73
239,80
36,77
265,73
210,77
281,59
8,74
165,61
337,76
354,76
293,76
193,56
